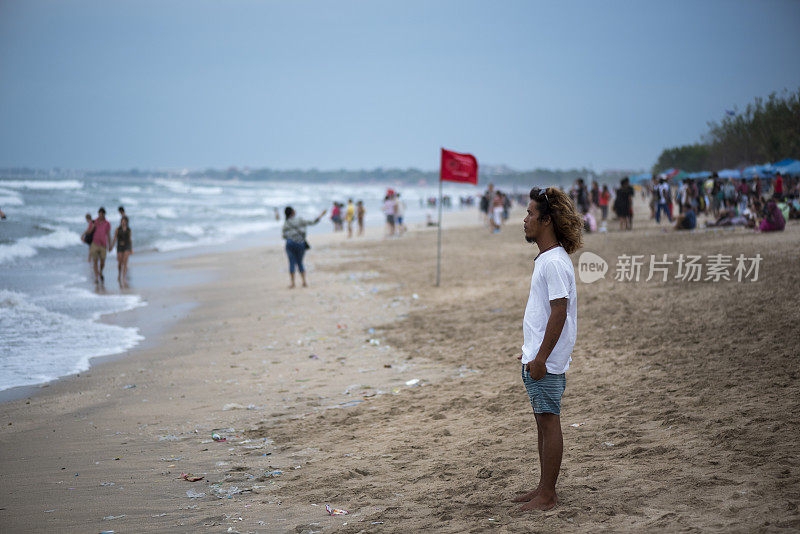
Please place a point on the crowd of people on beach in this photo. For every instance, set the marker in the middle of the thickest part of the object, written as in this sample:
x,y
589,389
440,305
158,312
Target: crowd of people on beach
x,y
352,213
762,204
100,241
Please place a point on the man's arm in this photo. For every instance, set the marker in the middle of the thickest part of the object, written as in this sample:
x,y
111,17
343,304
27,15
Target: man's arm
x,y
555,324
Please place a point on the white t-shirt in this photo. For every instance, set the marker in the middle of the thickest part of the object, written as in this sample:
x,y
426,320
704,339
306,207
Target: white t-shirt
x,y
553,278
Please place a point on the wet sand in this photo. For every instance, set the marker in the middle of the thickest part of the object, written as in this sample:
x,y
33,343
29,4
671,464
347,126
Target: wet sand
x,y
377,393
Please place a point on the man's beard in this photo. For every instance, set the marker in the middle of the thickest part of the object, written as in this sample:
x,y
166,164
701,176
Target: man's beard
x,y
530,239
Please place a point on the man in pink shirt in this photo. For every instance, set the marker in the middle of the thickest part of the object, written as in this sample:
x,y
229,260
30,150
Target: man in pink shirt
x,y
101,241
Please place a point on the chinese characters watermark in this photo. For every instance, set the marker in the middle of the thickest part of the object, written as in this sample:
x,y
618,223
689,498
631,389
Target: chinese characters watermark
x,y
660,268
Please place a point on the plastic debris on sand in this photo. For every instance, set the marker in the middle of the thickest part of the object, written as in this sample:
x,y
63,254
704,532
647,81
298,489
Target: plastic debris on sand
x,y
335,511
192,494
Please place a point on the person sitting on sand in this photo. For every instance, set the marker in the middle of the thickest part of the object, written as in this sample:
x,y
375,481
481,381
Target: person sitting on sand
x,y
294,232
687,220
773,220
549,328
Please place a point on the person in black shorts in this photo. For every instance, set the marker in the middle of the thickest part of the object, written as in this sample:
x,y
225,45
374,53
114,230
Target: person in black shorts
x,y
124,249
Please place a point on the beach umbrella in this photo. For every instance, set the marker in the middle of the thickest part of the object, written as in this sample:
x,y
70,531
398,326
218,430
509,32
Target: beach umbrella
x,y
783,163
792,168
758,170
730,173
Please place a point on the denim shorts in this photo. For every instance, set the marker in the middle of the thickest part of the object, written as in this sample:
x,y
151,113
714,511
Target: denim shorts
x,y
545,393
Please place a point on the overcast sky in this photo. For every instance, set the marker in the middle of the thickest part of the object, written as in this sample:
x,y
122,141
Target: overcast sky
x,y
362,84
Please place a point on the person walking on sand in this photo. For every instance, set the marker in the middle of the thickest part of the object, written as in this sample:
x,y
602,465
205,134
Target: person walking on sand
x,y
360,212
122,236
101,244
400,213
550,327
349,215
294,232
390,210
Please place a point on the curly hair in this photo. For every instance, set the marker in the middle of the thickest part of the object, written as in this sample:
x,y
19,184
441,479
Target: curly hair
x,y
567,224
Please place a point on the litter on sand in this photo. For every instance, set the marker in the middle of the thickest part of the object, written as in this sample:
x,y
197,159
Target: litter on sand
x,y
190,477
217,437
192,494
413,382
608,444
112,517
576,425
335,511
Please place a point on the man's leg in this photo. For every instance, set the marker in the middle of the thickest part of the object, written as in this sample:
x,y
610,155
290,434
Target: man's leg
x,y
552,449
531,494
95,269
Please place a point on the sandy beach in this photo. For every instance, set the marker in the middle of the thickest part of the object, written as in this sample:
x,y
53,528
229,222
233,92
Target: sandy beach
x,y
377,393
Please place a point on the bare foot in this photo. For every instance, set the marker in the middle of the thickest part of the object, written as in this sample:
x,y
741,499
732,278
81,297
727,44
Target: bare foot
x,y
540,503
305,285
291,286
526,496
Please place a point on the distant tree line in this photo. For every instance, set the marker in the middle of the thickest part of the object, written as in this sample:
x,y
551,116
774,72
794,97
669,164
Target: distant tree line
x,y
768,130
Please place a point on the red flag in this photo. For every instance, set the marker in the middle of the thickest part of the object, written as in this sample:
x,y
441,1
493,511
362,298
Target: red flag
x,y
459,168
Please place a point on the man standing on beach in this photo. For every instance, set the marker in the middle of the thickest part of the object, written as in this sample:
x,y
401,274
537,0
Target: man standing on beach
x,y
549,329
101,239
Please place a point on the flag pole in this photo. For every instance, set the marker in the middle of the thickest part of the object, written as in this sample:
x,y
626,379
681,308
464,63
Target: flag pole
x,y
439,244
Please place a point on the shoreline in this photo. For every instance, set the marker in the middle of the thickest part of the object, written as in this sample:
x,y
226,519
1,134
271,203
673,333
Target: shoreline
x,y
165,288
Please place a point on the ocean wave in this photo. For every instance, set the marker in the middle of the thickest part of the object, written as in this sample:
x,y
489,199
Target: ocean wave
x,y
170,245
40,345
84,304
41,184
166,213
240,228
29,246
177,186
128,201
194,230
7,200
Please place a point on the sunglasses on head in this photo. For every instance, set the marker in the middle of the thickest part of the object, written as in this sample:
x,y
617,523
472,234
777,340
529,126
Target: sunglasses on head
x,y
543,194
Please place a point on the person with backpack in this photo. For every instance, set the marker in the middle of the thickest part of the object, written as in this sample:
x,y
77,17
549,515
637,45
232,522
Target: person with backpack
x,y
87,234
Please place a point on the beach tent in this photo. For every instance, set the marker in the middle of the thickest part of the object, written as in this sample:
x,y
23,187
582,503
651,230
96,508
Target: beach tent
x,y
792,169
673,174
730,173
787,166
641,178
758,170
783,163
